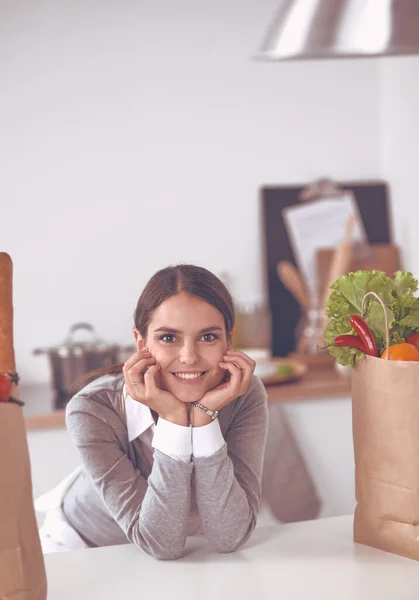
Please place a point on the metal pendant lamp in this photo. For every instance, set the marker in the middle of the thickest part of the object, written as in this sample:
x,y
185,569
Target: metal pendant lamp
x,y
325,29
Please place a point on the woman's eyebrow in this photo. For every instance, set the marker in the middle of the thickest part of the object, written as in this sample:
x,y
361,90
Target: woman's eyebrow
x,y
215,328
171,330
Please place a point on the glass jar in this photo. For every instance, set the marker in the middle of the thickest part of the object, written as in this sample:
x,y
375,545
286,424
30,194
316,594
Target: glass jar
x,y
253,326
309,332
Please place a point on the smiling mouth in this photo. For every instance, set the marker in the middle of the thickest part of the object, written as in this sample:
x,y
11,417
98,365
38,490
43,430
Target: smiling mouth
x,y
196,376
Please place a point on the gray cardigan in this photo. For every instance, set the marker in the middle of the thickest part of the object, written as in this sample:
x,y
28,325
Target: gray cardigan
x,y
128,492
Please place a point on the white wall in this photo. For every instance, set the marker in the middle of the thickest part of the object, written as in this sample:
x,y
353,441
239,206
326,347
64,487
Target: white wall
x,y
399,126
137,134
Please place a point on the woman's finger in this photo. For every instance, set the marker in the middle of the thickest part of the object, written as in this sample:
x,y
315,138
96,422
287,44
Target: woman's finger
x,y
246,379
150,381
134,386
138,365
136,372
235,374
246,363
134,358
240,354
247,368
246,373
239,361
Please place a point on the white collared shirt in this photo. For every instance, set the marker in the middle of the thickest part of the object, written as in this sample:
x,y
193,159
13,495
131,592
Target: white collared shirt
x,y
177,441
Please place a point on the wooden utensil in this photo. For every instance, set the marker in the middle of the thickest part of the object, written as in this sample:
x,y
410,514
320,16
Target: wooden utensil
x,y
384,257
341,260
294,283
339,266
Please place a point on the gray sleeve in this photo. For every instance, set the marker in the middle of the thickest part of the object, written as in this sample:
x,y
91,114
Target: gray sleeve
x,y
153,513
228,483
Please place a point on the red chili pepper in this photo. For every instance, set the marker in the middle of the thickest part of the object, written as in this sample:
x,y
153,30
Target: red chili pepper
x,y
350,340
413,338
365,334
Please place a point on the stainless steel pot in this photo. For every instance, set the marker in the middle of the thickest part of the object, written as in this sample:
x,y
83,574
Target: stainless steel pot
x,y
73,359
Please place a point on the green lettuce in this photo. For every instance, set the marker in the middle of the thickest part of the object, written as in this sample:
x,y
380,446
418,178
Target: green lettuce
x,y
346,297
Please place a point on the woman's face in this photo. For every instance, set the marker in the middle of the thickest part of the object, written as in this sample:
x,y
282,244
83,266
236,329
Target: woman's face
x,y
187,337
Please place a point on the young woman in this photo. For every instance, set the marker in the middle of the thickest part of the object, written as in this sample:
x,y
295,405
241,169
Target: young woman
x,y
172,443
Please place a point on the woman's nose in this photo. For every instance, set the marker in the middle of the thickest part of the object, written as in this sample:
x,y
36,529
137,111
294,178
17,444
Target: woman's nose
x,y
189,354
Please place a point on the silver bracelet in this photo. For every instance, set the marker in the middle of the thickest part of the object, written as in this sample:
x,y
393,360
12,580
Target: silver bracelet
x,y
208,411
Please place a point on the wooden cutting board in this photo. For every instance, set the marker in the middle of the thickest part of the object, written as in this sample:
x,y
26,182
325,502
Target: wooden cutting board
x,y
384,257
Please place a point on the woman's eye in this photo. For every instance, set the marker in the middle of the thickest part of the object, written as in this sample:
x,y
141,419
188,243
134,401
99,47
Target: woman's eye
x,y
168,338
209,337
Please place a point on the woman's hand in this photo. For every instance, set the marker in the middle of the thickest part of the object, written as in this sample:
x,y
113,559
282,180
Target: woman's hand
x,y
140,372
240,368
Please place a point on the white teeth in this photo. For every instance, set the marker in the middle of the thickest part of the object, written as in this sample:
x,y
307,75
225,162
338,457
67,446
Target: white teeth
x,y
188,375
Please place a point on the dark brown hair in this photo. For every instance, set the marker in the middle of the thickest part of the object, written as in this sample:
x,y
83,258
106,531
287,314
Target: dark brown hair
x,y
193,280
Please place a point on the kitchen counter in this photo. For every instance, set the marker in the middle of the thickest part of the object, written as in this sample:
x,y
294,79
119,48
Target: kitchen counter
x,y
320,382
314,559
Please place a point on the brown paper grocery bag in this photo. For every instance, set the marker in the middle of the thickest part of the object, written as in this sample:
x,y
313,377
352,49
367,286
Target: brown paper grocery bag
x,y
385,423
22,571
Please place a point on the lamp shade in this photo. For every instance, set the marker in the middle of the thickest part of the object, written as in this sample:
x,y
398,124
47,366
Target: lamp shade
x,y
325,29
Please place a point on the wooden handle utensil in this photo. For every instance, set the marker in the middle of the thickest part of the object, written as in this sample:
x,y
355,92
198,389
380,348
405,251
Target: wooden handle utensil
x,y
294,282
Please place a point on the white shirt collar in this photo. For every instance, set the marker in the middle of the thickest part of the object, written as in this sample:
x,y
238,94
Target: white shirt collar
x,y
139,417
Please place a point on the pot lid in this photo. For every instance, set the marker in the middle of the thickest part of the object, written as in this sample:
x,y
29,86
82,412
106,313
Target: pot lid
x,y
77,344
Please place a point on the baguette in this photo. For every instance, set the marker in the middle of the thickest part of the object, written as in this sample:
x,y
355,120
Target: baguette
x,y
7,352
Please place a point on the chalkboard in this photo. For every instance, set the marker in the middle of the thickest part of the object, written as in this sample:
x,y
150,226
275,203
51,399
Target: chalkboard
x,y
373,203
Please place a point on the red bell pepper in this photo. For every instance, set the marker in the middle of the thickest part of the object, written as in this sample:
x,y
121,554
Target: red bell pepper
x,y
413,338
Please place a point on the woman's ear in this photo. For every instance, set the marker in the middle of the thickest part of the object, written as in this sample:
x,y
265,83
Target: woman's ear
x,y
230,338
138,339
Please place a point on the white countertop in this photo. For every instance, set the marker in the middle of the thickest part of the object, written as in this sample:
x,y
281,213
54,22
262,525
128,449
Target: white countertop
x,y
316,559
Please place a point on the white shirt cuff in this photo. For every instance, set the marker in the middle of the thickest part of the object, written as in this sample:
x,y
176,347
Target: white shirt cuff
x,y
173,440
207,440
